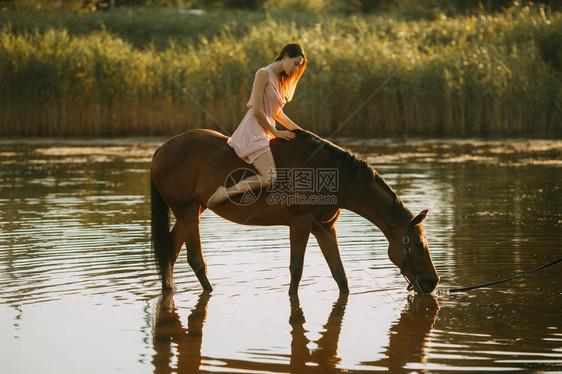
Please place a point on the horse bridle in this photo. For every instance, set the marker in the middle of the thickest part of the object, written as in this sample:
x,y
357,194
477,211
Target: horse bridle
x,y
416,278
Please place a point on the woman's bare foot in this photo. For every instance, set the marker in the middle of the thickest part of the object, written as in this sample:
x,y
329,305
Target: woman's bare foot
x,y
216,198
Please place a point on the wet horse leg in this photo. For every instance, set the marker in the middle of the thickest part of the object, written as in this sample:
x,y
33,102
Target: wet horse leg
x,y
327,240
299,233
177,242
188,219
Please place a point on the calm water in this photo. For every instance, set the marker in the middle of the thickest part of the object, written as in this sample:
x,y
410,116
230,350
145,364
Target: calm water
x,y
80,294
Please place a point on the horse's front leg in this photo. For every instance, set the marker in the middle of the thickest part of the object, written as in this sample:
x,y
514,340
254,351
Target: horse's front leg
x,y
299,233
328,242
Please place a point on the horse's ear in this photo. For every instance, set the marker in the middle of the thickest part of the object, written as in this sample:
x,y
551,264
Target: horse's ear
x,y
419,218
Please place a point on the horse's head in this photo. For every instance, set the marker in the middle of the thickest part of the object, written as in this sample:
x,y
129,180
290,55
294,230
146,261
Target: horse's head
x,y
411,254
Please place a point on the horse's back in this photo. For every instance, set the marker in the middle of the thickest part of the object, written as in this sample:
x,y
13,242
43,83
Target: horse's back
x,y
193,142
190,166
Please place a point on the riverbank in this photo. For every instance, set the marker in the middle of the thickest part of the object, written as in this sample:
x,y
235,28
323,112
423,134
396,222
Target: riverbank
x,y
490,75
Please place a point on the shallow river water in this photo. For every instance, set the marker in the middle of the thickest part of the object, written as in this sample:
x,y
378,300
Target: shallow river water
x,y
79,292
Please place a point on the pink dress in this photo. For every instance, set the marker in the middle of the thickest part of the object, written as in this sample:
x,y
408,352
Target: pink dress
x,y
251,140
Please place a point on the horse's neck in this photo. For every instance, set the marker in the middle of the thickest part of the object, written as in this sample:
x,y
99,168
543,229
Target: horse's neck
x,y
367,194
376,204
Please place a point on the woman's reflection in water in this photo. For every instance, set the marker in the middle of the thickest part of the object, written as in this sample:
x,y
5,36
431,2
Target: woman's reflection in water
x,y
169,331
409,335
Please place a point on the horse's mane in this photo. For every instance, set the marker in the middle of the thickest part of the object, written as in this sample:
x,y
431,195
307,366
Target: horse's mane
x,y
353,167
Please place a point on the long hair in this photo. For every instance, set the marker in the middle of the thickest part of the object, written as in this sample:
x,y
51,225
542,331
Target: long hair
x,y
289,82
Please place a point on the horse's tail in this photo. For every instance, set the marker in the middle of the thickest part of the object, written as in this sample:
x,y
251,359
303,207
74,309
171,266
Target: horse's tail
x,y
160,224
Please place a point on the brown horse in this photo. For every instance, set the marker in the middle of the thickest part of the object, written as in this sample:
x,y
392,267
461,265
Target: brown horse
x,y
188,168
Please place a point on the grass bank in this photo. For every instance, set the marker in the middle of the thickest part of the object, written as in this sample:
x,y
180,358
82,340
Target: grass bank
x,y
481,75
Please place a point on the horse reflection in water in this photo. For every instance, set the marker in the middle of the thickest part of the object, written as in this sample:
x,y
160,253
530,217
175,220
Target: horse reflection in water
x,y
325,356
408,339
410,334
169,330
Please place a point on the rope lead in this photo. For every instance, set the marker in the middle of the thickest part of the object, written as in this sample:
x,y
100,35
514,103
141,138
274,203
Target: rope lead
x,y
506,280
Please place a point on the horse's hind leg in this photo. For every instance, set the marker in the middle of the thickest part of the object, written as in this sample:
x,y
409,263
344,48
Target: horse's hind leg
x,y
188,219
177,240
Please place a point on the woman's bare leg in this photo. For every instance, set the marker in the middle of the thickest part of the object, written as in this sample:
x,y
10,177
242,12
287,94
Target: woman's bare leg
x,y
265,165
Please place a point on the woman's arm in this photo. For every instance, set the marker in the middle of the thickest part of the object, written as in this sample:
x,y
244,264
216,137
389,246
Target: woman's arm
x,y
262,80
282,118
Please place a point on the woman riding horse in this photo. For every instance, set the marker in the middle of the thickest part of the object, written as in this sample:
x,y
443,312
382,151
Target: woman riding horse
x,y
187,168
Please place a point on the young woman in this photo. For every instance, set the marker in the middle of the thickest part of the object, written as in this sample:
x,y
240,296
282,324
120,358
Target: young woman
x,y
274,86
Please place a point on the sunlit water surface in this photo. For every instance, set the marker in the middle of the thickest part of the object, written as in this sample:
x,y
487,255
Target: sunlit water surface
x,y
80,294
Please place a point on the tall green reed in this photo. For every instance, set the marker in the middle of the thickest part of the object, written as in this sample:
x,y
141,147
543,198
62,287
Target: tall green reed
x,y
481,75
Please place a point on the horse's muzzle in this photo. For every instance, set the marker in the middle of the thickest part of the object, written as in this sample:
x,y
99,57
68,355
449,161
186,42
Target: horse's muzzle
x,y
423,284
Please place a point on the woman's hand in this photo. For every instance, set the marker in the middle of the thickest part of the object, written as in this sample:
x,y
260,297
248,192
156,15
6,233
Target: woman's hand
x,y
287,135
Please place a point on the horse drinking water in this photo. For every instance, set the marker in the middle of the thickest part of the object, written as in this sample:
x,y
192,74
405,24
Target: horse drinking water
x,y
187,169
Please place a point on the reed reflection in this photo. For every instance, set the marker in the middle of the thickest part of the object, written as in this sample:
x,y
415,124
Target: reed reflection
x,y
410,334
169,332
324,357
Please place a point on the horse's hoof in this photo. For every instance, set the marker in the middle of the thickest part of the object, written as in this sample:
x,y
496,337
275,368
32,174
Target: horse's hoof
x,y
168,289
208,289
